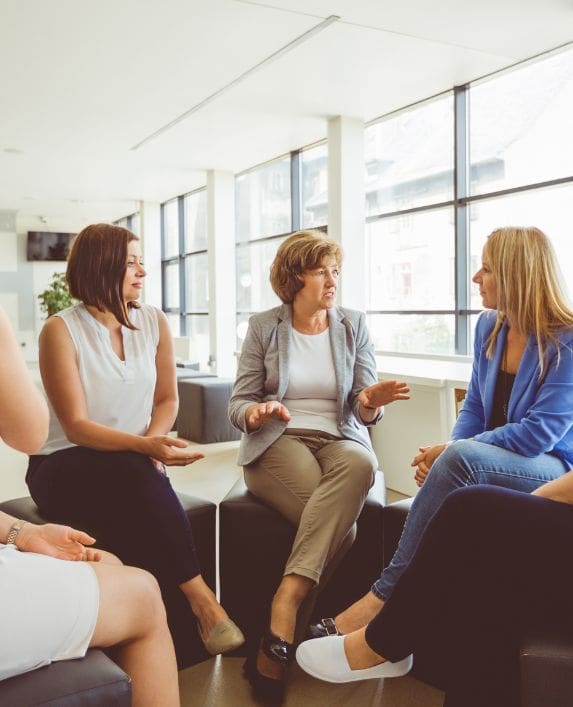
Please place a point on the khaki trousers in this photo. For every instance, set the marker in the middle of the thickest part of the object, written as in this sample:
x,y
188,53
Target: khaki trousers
x,y
319,483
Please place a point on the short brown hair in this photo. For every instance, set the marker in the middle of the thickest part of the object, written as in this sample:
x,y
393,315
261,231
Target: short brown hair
x,y
304,250
96,269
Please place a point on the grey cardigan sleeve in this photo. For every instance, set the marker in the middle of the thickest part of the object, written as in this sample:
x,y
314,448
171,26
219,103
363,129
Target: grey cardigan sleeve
x,y
364,368
249,384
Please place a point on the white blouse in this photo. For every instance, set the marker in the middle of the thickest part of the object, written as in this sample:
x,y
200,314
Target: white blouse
x,y
119,394
310,396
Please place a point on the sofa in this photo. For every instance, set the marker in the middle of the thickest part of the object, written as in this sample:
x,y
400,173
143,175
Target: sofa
x,y
546,659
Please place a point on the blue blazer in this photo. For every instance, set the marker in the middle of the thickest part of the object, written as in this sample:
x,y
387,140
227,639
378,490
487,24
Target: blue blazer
x,y
540,411
263,374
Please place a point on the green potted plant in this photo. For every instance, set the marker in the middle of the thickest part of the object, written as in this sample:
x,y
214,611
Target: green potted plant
x,y
56,296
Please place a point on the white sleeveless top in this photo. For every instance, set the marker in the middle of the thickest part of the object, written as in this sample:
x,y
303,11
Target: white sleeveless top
x,y
310,396
119,394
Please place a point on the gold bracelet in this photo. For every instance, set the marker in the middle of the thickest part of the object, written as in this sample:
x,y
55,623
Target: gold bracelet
x,y
14,530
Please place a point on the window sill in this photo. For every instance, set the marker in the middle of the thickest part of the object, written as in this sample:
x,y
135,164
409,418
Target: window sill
x,y
421,370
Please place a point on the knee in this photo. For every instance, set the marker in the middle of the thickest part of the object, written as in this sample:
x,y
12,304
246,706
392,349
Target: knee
x,y
470,503
146,596
358,469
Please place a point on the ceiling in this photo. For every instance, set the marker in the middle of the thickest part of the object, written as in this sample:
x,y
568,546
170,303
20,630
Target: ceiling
x,y
84,83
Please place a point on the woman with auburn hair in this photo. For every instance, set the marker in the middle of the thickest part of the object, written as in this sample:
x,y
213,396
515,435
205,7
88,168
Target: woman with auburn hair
x,y
515,429
60,596
108,368
305,392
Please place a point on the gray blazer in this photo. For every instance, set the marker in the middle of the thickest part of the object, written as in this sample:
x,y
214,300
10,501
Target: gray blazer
x,y
263,374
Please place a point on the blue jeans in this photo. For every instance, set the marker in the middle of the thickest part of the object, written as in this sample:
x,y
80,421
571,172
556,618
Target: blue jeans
x,y
463,463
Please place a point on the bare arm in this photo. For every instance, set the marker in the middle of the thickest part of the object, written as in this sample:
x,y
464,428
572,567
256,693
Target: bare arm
x,y
560,489
66,393
23,410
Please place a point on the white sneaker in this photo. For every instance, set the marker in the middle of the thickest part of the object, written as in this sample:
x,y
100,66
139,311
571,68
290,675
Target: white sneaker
x,y
325,659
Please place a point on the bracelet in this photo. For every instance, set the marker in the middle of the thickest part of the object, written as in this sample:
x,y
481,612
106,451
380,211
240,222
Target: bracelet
x,y
13,532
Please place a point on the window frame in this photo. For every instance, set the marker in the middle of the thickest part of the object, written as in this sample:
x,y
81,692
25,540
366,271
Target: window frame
x,y
182,311
461,202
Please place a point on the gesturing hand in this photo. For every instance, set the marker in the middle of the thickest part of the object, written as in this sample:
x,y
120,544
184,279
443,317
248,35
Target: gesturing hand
x,y
259,413
170,450
383,393
423,461
58,541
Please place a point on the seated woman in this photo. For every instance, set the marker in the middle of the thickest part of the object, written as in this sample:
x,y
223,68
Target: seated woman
x,y
516,426
305,391
52,606
472,592
108,368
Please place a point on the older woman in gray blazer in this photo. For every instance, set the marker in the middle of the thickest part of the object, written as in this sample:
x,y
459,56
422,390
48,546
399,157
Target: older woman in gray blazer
x,y
306,390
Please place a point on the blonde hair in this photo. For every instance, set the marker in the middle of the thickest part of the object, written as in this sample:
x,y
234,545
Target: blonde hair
x,y
304,250
529,287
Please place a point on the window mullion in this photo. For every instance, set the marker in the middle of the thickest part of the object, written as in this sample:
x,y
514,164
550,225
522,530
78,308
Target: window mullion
x,y
182,291
461,191
295,200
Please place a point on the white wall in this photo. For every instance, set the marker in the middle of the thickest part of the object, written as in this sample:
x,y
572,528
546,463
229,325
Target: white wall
x,y
426,419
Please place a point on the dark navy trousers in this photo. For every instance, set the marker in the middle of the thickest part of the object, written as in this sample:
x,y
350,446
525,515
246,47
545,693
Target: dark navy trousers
x,y
493,565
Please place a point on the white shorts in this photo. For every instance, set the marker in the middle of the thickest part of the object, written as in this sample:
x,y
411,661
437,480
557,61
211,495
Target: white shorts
x,y
48,610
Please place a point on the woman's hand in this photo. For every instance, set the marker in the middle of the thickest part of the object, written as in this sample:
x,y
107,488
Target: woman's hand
x,y
169,450
58,541
560,489
423,461
383,393
259,413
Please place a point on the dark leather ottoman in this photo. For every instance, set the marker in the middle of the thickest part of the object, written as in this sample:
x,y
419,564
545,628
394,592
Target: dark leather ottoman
x,y
93,681
202,517
203,406
255,541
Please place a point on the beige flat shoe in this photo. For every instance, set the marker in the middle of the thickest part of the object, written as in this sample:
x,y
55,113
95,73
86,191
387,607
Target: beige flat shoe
x,y
225,636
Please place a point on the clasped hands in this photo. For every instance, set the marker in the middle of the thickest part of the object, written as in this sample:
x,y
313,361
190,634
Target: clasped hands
x,y
423,461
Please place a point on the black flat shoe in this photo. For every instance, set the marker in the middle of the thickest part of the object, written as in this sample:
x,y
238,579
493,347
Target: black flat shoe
x,y
325,627
265,689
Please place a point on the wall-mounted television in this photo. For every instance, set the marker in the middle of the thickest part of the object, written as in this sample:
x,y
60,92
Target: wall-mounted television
x,y
44,245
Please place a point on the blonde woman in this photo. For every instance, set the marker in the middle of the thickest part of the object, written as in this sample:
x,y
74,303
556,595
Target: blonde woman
x,y
305,392
516,426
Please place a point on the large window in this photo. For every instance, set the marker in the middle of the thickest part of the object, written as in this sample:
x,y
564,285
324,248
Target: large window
x,y
272,201
130,222
186,271
441,176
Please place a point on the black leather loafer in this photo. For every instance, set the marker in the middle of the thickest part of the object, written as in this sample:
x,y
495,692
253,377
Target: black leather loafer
x,y
265,689
325,627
